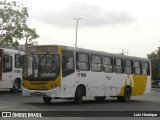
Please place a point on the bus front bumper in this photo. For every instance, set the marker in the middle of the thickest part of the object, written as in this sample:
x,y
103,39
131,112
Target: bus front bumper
x,y
43,93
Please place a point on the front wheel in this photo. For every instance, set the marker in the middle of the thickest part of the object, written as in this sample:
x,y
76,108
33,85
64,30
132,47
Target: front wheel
x,y
126,97
78,95
16,86
47,100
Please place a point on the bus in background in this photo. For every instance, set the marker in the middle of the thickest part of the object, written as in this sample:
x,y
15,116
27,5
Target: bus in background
x,y
54,72
10,69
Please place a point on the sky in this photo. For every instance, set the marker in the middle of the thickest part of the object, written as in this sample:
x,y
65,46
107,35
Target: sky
x,y
106,25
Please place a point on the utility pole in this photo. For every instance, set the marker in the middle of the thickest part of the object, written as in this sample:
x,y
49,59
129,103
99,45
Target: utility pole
x,y
77,19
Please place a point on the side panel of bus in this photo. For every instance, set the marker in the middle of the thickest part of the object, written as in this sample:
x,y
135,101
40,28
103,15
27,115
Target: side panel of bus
x,y
102,83
9,72
98,84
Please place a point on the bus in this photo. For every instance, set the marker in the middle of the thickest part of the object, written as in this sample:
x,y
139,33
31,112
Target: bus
x,y
63,72
10,69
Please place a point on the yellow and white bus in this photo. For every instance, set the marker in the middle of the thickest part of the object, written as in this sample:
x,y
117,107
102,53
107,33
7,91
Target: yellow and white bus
x,y
10,69
66,72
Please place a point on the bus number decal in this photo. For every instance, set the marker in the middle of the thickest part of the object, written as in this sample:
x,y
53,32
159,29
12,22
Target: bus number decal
x,y
81,74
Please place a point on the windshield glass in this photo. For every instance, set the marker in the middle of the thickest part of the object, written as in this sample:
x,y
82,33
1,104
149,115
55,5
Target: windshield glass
x,y
41,66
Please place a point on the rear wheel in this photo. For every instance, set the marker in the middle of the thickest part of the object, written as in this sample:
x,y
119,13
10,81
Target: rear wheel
x,y
100,98
159,85
47,100
126,97
78,95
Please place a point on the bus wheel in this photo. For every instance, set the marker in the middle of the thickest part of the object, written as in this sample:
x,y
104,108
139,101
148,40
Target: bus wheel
x,y
16,86
126,97
47,100
78,95
100,98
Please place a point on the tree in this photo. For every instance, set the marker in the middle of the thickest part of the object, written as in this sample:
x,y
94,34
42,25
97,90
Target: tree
x,y
155,62
13,26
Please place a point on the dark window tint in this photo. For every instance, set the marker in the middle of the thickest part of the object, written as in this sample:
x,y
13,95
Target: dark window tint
x,y
7,66
18,62
67,63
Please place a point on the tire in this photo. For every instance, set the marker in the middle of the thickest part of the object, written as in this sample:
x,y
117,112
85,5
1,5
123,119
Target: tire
x,y
47,100
126,97
78,95
159,85
16,86
100,98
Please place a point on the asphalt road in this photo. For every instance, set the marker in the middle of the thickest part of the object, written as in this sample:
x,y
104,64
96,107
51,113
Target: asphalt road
x,y
16,102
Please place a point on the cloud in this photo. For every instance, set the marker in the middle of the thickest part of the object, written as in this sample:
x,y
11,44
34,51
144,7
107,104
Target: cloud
x,y
91,16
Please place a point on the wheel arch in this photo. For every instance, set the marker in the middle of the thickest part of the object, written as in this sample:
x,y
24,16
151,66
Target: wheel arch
x,y
18,79
83,88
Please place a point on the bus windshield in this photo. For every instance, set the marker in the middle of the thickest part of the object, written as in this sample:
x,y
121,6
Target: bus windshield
x,y
40,67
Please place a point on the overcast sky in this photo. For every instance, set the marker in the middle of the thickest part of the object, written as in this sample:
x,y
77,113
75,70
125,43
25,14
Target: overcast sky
x,y
106,25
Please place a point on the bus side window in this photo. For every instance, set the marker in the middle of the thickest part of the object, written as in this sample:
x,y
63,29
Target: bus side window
x,y
128,67
7,66
118,65
107,64
145,68
96,63
82,62
18,61
137,67
67,63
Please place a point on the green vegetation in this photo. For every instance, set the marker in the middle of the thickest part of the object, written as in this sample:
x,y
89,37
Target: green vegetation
x,y
155,60
13,24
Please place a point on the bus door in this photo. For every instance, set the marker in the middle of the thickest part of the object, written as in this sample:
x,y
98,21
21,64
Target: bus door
x,y
7,71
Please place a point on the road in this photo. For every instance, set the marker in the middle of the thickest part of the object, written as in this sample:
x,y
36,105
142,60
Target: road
x,y
16,102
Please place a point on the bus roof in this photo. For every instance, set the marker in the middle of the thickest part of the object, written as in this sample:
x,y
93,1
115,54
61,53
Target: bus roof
x,y
102,53
6,50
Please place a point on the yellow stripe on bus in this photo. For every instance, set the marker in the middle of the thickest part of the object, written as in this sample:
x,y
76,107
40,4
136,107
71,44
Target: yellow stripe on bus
x,y
138,86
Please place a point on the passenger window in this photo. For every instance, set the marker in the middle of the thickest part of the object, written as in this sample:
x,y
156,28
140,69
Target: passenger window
x,y
7,66
82,61
18,62
128,67
96,63
67,63
118,65
137,67
145,69
107,64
